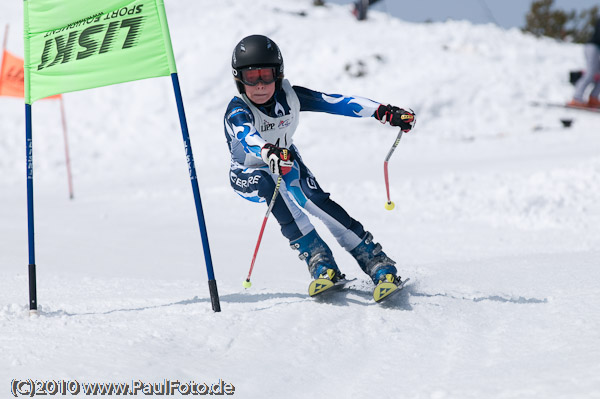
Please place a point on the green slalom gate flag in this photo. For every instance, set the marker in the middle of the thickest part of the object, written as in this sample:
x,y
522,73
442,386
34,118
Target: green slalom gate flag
x,y
74,45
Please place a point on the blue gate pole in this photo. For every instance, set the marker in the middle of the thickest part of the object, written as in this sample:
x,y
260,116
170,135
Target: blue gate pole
x,y
212,283
30,221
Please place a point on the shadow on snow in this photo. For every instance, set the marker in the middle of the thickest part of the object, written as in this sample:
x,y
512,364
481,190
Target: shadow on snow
x,y
355,295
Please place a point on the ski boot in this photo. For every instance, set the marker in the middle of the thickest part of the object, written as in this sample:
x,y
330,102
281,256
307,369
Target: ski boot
x,y
321,265
373,261
593,102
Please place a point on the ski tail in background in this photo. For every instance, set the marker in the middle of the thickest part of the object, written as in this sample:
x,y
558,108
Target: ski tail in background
x,y
563,105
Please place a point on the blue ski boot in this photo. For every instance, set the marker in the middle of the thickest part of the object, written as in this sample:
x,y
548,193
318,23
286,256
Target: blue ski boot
x,y
318,257
373,261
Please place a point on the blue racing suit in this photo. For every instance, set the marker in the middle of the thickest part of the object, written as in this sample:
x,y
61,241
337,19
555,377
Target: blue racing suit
x,y
248,127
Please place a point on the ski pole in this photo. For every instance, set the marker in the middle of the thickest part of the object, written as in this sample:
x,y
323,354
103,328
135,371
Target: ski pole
x,y
247,283
390,204
66,140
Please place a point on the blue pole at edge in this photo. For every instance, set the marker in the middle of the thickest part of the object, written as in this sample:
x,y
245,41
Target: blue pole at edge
x,y
30,220
212,284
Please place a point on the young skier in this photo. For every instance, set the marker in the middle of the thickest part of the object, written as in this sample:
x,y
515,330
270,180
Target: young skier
x,y
259,127
592,55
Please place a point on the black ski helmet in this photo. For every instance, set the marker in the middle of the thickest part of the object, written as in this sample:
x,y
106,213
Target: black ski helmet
x,y
256,51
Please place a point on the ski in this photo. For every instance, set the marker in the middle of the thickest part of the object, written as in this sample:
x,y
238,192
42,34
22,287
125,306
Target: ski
x,y
385,290
382,292
561,105
321,285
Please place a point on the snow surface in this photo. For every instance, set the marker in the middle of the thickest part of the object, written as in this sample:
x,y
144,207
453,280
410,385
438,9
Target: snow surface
x,y
496,220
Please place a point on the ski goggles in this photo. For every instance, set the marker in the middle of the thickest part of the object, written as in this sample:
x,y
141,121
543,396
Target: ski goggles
x,y
251,76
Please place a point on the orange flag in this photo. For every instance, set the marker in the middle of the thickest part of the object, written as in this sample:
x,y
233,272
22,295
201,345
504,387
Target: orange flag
x,y
11,77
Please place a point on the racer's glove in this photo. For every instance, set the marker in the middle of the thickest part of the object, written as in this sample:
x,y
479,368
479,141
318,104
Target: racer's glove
x,y
396,117
279,160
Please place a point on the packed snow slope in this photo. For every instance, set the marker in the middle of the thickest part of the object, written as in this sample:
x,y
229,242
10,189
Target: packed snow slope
x,y
496,222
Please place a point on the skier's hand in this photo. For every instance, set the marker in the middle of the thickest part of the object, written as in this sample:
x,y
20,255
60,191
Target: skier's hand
x,y
280,160
396,117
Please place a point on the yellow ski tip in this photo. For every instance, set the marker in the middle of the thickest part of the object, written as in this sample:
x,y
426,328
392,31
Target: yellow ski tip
x,y
319,285
383,290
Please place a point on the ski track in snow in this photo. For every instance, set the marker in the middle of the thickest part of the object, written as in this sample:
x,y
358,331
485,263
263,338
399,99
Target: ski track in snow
x,y
496,220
